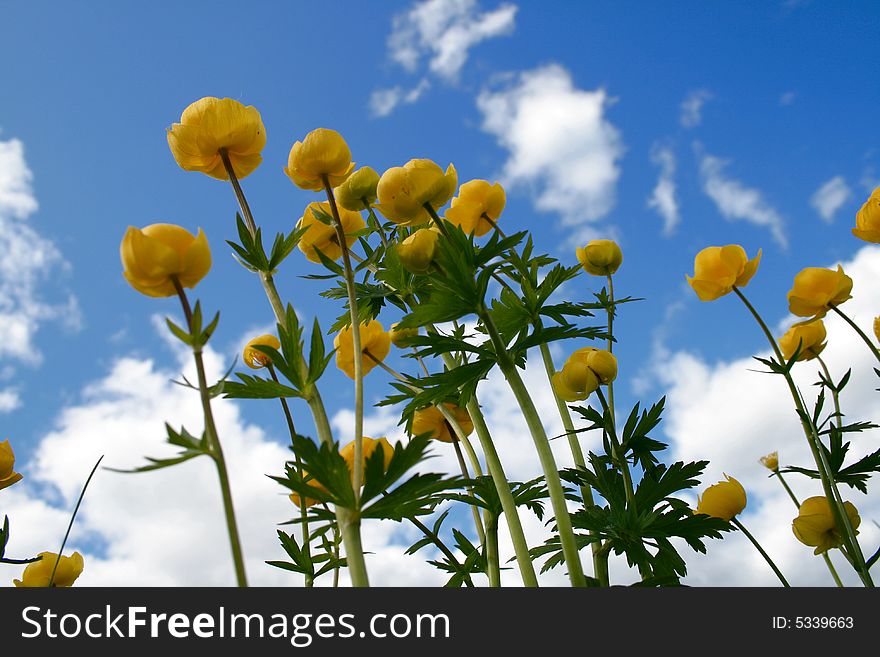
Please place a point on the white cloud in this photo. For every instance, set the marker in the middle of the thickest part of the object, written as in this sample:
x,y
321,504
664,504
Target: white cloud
x,y
692,107
735,201
829,198
787,98
729,413
9,400
559,142
663,199
384,101
443,32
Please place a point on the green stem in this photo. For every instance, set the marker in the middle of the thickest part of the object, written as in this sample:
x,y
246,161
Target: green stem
x,y
788,489
435,539
610,311
834,393
493,565
858,330
602,565
757,545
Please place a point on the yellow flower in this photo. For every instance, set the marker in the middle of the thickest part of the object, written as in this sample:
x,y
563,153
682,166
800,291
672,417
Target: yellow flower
x,y
322,237
600,257
476,198
417,251
404,191
724,500
295,497
814,525
212,124
322,153
771,461
810,335
430,420
358,192
373,339
575,381
254,358
816,290
717,269
399,335
369,445
8,475
877,328
38,573
601,362
868,219
152,255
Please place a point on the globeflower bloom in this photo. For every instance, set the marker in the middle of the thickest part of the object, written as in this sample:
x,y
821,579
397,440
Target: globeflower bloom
x,y
877,328
815,527
322,237
602,363
574,382
297,499
600,257
809,335
724,500
38,573
403,191
868,219
431,421
153,255
368,445
358,192
8,475
816,289
399,335
717,269
771,461
322,153
212,124
256,359
374,339
417,251
475,199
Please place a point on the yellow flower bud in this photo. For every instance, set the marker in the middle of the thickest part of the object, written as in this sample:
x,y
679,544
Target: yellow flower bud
x,y
868,219
600,257
8,475
810,335
322,153
212,124
358,192
574,382
431,420
724,500
601,362
771,461
399,335
38,573
322,237
404,191
717,269
254,358
417,251
815,527
151,256
369,445
475,199
816,289
374,340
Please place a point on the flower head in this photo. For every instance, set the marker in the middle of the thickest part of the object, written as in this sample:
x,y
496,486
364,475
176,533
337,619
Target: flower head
x,y
868,219
600,361
38,573
417,251
322,237
717,269
575,381
475,199
400,335
771,461
724,500
403,191
8,475
322,153
358,192
809,335
374,339
877,328
814,525
431,421
254,358
600,257
816,289
309,502
212,124
151,256
368,446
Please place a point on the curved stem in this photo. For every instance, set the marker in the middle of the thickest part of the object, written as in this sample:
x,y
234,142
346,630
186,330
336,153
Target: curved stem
x,y
858,330
757,545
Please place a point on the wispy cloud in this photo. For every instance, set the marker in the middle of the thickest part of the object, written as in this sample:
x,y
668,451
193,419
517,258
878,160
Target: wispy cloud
x,y
787,98
737,202
664,199
384,101
829,198
692,107
559,142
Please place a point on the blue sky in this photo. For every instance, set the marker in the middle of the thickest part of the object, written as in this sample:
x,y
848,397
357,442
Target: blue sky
x,y
741,112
